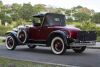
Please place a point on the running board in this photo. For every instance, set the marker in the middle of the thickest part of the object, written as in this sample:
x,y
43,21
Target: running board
x,y
36,44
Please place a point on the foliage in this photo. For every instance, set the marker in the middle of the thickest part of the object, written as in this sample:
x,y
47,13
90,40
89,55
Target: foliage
x,y
26,11
74,23
1,4
38,8
69,19
15,11
87,26
98,39
81,17
1,41
4,29
68,12
98,31
96,18
7,19
86,11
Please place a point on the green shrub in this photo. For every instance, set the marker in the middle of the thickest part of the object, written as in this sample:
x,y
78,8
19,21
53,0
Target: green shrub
x,y
87,26
72,23
98,31
4,29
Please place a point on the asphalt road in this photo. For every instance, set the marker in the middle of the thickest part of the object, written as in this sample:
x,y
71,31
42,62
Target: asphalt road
x,y
90,58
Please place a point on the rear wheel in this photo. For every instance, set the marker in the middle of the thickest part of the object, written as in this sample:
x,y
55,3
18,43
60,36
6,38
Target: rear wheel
x,y
11,42
58,45
79,49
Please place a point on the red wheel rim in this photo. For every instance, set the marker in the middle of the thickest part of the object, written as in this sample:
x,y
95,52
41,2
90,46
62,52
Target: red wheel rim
x,y
58,46
10,42
21,36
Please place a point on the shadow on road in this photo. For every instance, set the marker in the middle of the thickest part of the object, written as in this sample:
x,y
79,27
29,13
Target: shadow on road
x,y
45,50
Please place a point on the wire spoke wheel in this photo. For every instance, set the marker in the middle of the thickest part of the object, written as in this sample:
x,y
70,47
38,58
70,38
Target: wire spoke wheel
x,y
22,36
79,49
10,43
58,46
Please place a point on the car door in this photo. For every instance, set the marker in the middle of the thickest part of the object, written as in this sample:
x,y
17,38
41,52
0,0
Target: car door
x,y
33,33
42,33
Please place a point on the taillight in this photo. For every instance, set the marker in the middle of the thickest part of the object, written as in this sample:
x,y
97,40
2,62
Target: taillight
x,y
72,34
69,33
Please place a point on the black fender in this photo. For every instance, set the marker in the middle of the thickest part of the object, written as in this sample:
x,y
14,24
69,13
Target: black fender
x,y
11,33
57,33
14,34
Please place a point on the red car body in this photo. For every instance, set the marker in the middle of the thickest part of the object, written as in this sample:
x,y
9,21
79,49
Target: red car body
x,y
42,33
51,30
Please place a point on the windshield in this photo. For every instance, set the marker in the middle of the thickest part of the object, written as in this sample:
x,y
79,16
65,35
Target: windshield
x,y
55,20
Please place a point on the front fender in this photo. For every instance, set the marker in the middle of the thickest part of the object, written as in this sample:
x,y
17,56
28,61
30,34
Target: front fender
x,y
13,33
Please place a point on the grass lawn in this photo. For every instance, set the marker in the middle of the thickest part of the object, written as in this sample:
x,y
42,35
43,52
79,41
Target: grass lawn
x,y
5,62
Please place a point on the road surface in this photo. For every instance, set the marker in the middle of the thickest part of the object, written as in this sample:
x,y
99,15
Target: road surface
x,y
90,58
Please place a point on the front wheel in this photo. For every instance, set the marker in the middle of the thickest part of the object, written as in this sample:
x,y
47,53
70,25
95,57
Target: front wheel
x,y
79,49
58,45
11,42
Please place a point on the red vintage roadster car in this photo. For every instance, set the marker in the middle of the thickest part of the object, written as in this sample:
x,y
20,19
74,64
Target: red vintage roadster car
x,y
49,30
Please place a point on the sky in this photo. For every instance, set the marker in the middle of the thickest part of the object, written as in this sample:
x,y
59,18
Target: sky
x,y
91,4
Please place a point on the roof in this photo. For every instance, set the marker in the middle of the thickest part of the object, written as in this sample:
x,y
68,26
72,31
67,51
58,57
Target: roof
x,y
42,15
39,15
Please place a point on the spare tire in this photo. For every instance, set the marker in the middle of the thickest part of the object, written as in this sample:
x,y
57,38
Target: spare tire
x,y
22,36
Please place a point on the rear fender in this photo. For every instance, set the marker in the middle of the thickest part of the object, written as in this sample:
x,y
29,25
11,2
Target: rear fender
x,y
57,33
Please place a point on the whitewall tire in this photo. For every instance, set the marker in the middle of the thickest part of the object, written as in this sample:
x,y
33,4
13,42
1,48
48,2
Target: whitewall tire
x,y
58,45
79,49
10,42
22,36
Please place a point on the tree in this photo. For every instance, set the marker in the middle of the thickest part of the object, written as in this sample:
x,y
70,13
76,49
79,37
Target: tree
x,y
26,11
1,4
38,8
5,18
76,9
68,12
96,18
59,10
69,19
14,12
86,10
81,17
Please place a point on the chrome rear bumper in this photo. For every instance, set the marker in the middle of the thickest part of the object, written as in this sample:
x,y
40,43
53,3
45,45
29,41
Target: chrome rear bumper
x,y
88,43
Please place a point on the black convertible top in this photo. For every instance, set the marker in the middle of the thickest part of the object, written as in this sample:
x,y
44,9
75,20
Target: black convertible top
x,y
42,15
